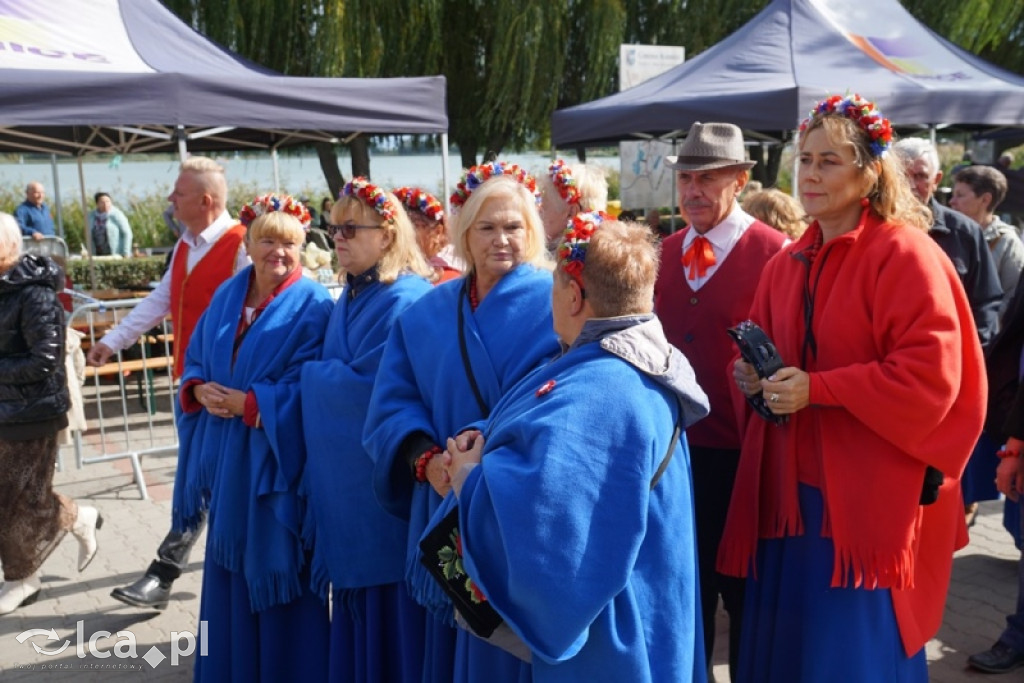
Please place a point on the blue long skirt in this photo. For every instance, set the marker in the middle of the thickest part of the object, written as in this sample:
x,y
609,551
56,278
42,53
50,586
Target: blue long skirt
x,y
377,636
283,643
978,482
797,628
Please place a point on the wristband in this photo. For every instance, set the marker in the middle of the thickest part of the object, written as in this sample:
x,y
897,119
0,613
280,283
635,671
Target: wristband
x,y
424,460
1005,452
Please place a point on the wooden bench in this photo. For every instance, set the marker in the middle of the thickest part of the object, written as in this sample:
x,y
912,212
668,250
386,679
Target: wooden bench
x,y
154,363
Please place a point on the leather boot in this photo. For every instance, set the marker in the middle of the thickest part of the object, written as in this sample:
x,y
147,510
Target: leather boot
x,y
15,594
88,521
153,590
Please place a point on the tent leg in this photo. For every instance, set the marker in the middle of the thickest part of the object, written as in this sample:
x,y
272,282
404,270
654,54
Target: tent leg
x,y
56,196
182,147
675,200
277,171
444,173
86,228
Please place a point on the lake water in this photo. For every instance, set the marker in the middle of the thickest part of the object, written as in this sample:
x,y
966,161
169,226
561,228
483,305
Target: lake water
x,y
298,174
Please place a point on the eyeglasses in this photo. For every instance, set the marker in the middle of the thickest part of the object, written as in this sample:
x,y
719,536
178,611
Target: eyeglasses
x,y
348,230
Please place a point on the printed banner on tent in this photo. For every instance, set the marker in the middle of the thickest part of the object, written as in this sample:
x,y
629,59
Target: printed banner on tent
x,y
68,35
644,180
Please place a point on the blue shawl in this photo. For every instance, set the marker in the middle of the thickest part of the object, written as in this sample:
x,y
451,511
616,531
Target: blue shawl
x,y
422,386
355,542
593,569
249,477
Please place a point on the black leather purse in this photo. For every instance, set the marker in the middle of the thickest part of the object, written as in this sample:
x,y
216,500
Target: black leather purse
x,y
757,349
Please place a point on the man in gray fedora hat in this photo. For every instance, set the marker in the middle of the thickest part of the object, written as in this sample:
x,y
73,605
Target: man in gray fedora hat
x,y
706,283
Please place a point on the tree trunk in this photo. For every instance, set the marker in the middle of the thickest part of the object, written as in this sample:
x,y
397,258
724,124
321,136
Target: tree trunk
x,y
360,149
772,165
467,152
329,166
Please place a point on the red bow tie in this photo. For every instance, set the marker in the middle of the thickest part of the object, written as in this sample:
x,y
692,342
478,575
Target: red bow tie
x,y
698,257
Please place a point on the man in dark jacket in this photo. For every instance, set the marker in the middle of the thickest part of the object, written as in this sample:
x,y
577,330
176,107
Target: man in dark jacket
x,y
959,236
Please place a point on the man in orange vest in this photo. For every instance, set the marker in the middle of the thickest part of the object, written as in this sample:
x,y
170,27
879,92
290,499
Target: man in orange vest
x,y
210,250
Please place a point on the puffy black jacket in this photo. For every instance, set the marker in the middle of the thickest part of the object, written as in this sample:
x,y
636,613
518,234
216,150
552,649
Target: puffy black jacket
x,y
33,383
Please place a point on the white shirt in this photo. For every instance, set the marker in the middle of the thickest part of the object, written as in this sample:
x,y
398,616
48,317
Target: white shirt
x,y
723,237
154,308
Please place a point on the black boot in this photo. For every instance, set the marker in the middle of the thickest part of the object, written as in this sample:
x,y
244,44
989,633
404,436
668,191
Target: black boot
x,y
153,590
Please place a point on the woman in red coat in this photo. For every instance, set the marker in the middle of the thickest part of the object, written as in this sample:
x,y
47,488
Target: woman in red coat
x,y
883,378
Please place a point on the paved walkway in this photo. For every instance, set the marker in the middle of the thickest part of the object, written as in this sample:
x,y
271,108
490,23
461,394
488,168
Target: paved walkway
x,y
984,588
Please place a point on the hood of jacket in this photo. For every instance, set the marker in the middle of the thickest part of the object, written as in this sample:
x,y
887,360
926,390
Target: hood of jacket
x,y
30,270
640,341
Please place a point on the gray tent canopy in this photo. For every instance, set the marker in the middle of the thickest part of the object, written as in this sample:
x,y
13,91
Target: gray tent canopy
x,y
768,75
119,76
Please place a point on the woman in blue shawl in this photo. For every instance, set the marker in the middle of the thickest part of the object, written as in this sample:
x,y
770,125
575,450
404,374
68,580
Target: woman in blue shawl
x,y
575,503
240,455
358,548
449,358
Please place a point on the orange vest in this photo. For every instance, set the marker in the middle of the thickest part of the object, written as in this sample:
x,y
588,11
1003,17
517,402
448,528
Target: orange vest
x,y
214,268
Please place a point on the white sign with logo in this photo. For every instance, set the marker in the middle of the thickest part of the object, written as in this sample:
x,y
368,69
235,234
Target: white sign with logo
x,y
644,180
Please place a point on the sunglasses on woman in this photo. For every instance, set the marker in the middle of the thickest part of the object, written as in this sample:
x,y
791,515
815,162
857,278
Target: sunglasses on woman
x,y
348,230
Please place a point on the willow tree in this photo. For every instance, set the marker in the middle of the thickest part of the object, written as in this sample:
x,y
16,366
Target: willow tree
x,y
501,60
991,29
388,38
595,29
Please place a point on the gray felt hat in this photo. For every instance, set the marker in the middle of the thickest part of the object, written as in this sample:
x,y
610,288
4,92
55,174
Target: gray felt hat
x,y
708,146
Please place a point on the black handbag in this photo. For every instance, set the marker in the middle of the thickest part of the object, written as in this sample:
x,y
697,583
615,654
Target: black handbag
x,y
758,350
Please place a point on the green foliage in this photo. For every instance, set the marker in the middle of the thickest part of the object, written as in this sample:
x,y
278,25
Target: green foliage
x,y
614,178
295,37
133,273
595,31
992,29
693,24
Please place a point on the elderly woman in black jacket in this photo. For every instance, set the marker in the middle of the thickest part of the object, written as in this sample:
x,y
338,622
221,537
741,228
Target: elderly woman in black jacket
x,y
33,410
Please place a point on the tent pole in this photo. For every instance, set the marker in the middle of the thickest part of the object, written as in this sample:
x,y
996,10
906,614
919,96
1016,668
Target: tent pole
x,y
56,195
86,232
182,148
444,174
675,200
277,171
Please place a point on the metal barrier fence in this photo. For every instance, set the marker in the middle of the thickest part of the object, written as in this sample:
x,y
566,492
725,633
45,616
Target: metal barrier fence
x,y
119,425
125,421
51,246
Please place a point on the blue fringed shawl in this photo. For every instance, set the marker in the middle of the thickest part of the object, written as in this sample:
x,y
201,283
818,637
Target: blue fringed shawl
x,y
593,569
249,477
422,386
355,542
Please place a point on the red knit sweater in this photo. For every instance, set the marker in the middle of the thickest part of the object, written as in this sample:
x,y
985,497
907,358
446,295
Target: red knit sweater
x,y
696,322
898,384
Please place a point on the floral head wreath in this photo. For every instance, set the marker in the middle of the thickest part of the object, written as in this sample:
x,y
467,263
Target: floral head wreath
x,y
478,175
564,181
270,203
860,111
371,195
572,252
418,200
